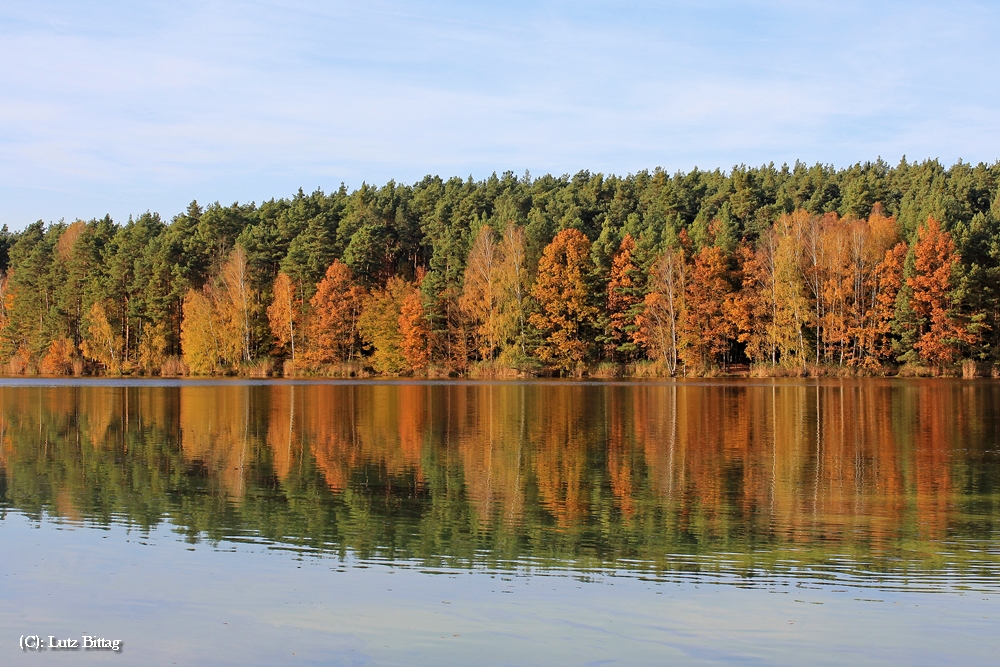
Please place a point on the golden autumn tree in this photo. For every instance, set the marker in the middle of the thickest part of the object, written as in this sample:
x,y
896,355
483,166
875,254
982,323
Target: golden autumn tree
x,y
567,315
774,293
379,325
200,332
285,311
481,293
515,294
876,270
234,298
152,347
835,276
941,330
101,342
6,301
757,300
792,310
335,308
622,298
658,324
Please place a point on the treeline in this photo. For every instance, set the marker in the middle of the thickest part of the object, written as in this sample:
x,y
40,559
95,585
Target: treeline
x,y
793,269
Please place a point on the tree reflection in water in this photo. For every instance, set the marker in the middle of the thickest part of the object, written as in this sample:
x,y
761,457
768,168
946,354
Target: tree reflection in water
x,y
845,479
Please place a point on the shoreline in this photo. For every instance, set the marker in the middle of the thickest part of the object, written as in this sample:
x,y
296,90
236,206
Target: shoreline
x,y
235,378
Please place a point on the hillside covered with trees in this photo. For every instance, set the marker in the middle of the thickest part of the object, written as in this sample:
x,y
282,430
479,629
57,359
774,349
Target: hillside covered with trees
x,y
790,270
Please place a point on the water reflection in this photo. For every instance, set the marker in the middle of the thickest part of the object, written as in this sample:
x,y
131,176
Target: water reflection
x,y
877,482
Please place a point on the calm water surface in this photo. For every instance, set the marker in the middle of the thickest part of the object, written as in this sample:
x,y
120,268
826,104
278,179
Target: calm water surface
x,y
258,523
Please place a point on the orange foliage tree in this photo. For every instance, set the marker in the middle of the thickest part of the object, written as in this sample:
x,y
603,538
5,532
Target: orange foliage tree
x,y
940,327
708,326
563,290
333,318
875,337
657,327
414,330
59,358
392,321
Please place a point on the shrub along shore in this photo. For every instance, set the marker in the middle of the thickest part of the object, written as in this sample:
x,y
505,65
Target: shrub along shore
x,y
769,271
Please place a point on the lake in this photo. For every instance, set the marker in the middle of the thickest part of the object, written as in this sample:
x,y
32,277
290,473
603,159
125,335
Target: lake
x,y
773,522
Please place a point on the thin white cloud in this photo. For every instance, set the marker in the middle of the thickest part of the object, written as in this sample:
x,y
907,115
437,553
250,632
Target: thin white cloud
x,y
117,107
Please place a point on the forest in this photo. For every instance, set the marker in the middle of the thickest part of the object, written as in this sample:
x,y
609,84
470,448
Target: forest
x,y
791,270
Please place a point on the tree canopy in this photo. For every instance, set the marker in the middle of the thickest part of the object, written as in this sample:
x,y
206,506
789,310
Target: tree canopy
x,y
868,267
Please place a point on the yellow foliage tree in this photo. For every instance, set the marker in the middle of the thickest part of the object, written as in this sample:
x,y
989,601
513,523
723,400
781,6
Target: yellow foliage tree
x,y
379,326
285,310
658,324
102,343
199,333
153,347
233,302
515,293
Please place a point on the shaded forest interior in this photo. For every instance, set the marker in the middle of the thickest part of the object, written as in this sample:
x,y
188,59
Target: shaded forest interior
x,y
796,270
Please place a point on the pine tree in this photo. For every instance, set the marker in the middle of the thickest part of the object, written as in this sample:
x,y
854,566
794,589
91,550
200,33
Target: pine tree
x,y
623,296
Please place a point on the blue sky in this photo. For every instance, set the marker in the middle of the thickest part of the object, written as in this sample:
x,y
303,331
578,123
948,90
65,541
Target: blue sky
x,y
120,107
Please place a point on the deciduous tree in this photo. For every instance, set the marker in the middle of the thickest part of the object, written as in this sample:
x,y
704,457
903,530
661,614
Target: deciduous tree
x,y
565,296
942,331
102,343
333,317
658,324
285,311
200,333
481,292
379,326
708,328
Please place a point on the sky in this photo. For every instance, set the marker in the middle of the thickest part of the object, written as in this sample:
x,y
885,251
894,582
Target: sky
x,y
121,107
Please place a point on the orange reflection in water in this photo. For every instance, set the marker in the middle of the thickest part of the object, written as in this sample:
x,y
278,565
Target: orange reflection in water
x,y
864,464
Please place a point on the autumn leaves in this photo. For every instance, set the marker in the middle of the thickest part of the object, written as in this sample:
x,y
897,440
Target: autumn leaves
x,y
805,293
813,290
343,319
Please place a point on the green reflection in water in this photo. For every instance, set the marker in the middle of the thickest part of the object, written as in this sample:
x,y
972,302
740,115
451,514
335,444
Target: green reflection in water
x,y
885,483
